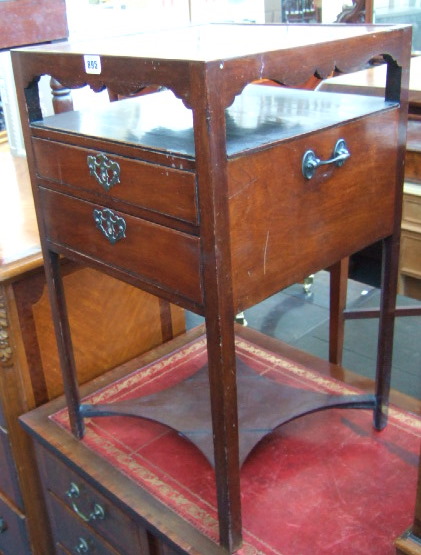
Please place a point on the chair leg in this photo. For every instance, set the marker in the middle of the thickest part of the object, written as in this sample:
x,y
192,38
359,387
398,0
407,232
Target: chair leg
x,y
338,290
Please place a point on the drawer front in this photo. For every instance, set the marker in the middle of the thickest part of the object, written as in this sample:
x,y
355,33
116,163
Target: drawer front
x,y
281,219
73,536
13,533
413,165
412,208
60,550
158,188
66,488
8,479
413,151
410,255
157,254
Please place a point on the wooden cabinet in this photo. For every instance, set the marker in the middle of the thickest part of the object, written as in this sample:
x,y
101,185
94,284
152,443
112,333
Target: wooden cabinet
x,y
81,513
263,186
29,363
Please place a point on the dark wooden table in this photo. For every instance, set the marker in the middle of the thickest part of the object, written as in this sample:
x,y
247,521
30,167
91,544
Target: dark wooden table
x,y
219,207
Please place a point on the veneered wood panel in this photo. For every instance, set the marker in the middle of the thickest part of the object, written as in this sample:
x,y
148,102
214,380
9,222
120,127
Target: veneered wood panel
x,y
152,252
156,188
284,227
102,311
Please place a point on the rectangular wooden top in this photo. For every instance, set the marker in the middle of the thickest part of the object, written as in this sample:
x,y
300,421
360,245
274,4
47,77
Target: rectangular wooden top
x,y
218,41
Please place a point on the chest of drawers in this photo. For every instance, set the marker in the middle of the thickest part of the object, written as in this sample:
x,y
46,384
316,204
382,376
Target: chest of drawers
x,y
216,193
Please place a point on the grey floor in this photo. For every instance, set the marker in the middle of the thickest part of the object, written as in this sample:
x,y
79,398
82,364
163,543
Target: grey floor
x,y
302,320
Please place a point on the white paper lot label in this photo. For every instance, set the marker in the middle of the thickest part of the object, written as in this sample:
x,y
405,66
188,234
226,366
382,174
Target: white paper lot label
x,y
92,64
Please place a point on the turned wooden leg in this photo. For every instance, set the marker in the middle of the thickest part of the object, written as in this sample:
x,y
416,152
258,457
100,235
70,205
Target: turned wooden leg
x,y
62,97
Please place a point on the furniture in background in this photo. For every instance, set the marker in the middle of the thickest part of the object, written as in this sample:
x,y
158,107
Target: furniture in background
x,y
93,506
23,22
153,505
194,207
32,22
371,82
26,22
299,11
410,542
29,365
358,12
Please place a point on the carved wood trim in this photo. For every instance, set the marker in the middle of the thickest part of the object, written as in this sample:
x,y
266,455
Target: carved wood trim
x,y
6,351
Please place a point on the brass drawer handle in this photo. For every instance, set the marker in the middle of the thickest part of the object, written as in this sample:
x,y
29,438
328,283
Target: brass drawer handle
x,y
104,170
3,525
97,512
112,226
82,546
310,161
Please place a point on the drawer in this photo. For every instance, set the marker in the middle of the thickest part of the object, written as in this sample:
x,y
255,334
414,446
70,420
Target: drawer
x,y
410,254
73,535
409,286
412,206
281,219
154,253
13,533
60,550
158,188
413,151
68,491
9,486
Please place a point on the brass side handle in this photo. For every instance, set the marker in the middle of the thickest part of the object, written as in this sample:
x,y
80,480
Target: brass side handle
x,y
311,162
105,171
